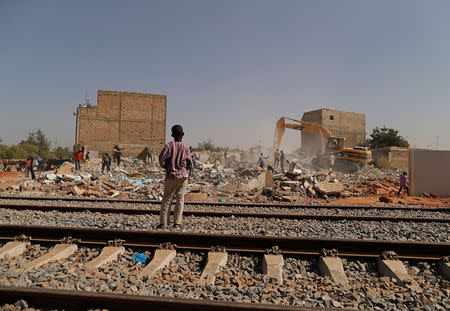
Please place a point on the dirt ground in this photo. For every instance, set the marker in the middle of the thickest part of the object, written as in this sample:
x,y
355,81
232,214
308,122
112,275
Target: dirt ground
x,y
11,179
396,200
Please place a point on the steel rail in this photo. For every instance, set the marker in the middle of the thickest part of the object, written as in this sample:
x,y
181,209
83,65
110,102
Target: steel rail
x,y
238,204
256,214
81,300
237,243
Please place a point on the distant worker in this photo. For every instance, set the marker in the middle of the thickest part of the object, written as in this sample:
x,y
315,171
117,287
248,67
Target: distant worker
x,y
78,157
147,155
29,167
116,154
195,159
88,157
106,162
261,162
176,159
404,183
292,165
5,164
282,160
332,159
40,164
276,157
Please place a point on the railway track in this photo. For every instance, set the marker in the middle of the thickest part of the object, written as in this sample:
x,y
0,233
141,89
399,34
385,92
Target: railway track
x,y
256,214
236,243
81,301
195,242
226,204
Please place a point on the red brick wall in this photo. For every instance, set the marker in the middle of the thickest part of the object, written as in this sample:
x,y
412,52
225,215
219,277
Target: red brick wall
x,y
130,120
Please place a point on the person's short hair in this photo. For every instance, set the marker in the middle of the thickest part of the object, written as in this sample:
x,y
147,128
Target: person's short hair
x,y
177,131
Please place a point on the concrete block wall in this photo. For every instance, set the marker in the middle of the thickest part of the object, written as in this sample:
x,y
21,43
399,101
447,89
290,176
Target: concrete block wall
x,y
391,157
348,125
429,171
128,119
399,158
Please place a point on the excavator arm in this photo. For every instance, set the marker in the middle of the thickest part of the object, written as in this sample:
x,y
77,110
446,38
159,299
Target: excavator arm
x,y
306,127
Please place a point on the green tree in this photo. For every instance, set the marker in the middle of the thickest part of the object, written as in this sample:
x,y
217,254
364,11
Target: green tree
x,y
36,144
23,151
384,137
4,151
210,146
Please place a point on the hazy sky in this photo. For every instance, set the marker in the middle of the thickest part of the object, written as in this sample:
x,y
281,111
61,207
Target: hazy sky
x,y
230,69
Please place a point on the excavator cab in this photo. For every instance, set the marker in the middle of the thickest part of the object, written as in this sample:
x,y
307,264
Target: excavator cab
x,y
334,145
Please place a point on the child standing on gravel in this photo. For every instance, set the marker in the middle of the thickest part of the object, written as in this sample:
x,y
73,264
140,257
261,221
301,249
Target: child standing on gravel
x,y
176,159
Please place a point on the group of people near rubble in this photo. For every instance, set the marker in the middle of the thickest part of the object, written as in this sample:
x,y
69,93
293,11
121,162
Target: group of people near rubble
x,y
279,161
107,159
27,165
79,156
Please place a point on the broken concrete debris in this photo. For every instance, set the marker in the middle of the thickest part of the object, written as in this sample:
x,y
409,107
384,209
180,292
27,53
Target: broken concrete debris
x,y
234,179
329,188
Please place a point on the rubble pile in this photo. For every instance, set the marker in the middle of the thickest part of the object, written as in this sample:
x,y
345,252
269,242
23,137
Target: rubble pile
x,y
133,180
217,177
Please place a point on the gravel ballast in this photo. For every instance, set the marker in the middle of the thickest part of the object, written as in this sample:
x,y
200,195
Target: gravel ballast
x,y
393,212
385,230
240,280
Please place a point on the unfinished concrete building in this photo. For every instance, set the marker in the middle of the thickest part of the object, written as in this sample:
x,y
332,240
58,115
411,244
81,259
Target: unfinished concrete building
x,y
348,125
128,119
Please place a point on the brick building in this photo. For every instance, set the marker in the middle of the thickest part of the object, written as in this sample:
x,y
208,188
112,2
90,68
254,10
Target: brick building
x,y
128,119
348,125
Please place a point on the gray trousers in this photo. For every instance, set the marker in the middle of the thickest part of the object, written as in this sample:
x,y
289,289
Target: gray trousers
x,y
173,188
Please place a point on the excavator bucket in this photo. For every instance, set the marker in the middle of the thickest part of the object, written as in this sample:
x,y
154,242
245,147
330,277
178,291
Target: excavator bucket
x,y
279,132
299,125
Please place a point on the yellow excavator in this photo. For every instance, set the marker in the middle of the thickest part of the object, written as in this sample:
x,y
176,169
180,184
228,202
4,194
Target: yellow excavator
x,y
346,159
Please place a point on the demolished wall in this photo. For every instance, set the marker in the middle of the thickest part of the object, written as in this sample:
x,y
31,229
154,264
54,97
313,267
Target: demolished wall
x,y
348,125
391,157
128,119
429,172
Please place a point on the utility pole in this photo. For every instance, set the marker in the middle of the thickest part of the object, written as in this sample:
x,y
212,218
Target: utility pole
x,y
87,102
76,126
